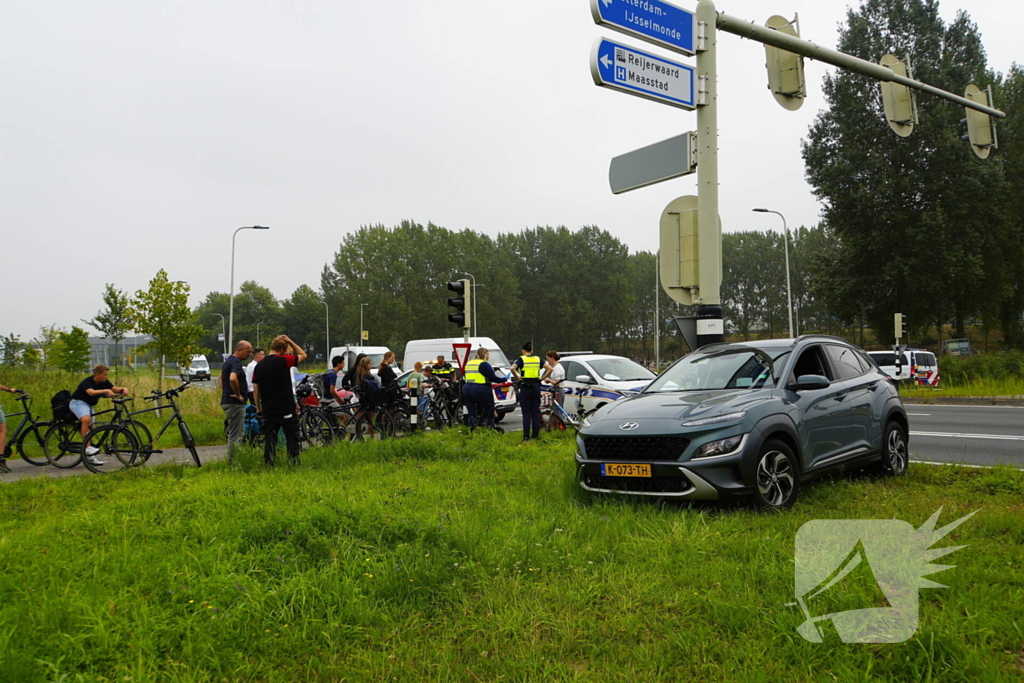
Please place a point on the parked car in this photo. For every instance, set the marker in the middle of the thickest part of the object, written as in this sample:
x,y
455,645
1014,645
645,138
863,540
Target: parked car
x,y
598,379
426,351
919,365
749,421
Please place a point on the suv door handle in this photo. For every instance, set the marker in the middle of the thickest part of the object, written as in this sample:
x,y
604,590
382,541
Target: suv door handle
x,y
840,397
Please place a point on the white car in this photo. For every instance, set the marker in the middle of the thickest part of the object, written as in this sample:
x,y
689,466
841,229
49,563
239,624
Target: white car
x,y
919,366
598,379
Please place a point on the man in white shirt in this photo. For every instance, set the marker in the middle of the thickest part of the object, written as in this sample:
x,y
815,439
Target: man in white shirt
x,y
257,356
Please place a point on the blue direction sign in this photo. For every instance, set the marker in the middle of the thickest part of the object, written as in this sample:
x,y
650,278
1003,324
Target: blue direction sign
x,y
651,20
629,70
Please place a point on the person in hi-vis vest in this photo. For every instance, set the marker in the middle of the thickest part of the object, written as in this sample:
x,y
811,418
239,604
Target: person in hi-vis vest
x,y
527,367
477,393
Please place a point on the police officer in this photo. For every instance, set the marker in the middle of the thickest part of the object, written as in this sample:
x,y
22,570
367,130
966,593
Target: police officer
x,y
443,369
477,393
527,368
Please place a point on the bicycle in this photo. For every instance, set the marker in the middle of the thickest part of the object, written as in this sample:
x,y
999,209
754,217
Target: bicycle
x,y
373,421
554,418
63,443
121,440
27,437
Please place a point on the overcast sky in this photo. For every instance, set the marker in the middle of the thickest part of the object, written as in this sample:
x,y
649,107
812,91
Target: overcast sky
x,y
138,134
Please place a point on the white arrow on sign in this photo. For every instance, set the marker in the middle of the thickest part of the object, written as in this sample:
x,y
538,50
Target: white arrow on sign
x,y
606,60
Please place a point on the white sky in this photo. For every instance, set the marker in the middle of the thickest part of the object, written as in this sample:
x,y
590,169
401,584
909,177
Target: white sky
x,y
139,135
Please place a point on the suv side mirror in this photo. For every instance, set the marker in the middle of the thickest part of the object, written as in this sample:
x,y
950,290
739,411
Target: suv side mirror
x,y
809,382
584,379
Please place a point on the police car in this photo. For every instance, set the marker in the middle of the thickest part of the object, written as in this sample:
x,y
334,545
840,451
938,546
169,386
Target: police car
x,y
598,379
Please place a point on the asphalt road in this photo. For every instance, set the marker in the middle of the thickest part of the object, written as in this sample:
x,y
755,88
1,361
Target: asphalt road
x,y
969,435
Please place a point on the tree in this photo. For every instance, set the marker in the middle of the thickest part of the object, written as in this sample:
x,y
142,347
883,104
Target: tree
x,y
162,312
13,349
72,352
303,319
917,231
116,320
48,337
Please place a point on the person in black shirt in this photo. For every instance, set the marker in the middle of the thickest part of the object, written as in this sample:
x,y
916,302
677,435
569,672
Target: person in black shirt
x,y
348,381
385,373
275,401
233,393
86,396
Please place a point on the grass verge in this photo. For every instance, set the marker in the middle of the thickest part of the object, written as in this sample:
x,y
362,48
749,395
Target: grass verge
x,y
457,557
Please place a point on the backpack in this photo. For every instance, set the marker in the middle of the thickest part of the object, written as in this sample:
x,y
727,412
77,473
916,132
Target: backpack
x,y
60,404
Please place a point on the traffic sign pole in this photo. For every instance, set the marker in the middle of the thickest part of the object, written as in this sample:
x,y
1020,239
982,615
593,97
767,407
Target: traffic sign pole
x,y
710,324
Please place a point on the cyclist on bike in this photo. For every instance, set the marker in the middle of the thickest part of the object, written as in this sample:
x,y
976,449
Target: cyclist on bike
x,y
86,396
3,433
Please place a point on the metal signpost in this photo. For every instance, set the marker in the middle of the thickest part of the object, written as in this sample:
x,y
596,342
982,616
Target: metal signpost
x,y
656,22
632,71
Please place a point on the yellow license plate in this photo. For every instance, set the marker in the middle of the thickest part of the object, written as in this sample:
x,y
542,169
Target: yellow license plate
x,y
610,469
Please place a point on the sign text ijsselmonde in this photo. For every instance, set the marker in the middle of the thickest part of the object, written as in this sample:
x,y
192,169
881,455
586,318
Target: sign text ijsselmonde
x,y
655,21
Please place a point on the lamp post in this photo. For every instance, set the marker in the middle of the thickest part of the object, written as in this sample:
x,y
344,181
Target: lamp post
x,y
361,323
327,330
223,333
258,334
789,290
473,284
231,290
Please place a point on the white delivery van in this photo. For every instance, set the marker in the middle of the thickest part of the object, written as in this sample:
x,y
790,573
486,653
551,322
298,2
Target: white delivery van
x,y
426,351
198,368
349,353
919,366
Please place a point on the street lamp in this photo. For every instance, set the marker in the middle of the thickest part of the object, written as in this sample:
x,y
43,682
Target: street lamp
x,y
361,323
223,333
785,242
258,334
327,330
231,290
474,300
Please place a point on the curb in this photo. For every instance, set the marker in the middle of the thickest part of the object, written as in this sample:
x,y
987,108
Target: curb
x,y
967,400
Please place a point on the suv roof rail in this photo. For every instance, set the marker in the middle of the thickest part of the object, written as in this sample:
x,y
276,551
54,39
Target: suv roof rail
x,y
826,336
563,354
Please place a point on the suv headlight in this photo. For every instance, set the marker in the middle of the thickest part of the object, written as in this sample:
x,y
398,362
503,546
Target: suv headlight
x,y
586,421
728,417
725,446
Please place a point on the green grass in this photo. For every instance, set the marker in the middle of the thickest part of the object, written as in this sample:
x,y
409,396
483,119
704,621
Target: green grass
x,y
978,388
451,557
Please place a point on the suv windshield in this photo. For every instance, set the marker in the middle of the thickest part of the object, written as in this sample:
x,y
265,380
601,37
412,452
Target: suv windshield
x,y
739,367
497,359
621,370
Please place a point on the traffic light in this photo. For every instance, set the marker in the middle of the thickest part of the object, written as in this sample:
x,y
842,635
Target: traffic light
x,y
785,69
462,302
898,101
901,326
981,130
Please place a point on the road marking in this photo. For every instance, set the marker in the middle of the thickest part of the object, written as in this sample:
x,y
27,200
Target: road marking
x,y
919,414
966,405
952,464
950,435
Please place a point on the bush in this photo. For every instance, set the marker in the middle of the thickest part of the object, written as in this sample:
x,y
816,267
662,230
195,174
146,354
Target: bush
x,y
957,371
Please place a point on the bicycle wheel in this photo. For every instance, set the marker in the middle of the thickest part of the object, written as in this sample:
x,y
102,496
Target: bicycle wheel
x,y
30,444
188,440
143,436
385,424
118,444
63,445
401,417
316,428
552,421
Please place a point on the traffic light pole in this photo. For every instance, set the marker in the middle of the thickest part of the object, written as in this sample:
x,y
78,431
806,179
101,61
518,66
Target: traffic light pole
x,y
710,325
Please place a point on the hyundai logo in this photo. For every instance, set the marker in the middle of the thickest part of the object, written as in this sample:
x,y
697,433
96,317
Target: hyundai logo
x,y
628,426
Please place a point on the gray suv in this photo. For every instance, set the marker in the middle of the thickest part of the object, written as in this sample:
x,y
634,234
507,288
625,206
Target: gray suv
x,y
749,420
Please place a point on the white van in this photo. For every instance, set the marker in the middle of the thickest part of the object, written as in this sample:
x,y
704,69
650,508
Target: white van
x,y
349,353
919,366
198,368
426,351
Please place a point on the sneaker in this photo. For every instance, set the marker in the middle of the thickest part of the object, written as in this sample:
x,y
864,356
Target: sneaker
x,y
4,468
91,450
93,460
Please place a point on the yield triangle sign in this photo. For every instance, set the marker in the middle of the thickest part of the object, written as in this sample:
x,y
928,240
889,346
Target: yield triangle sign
x,y
462,354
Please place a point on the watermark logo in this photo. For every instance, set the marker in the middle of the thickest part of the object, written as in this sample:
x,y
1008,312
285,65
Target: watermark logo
x,y
860,578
